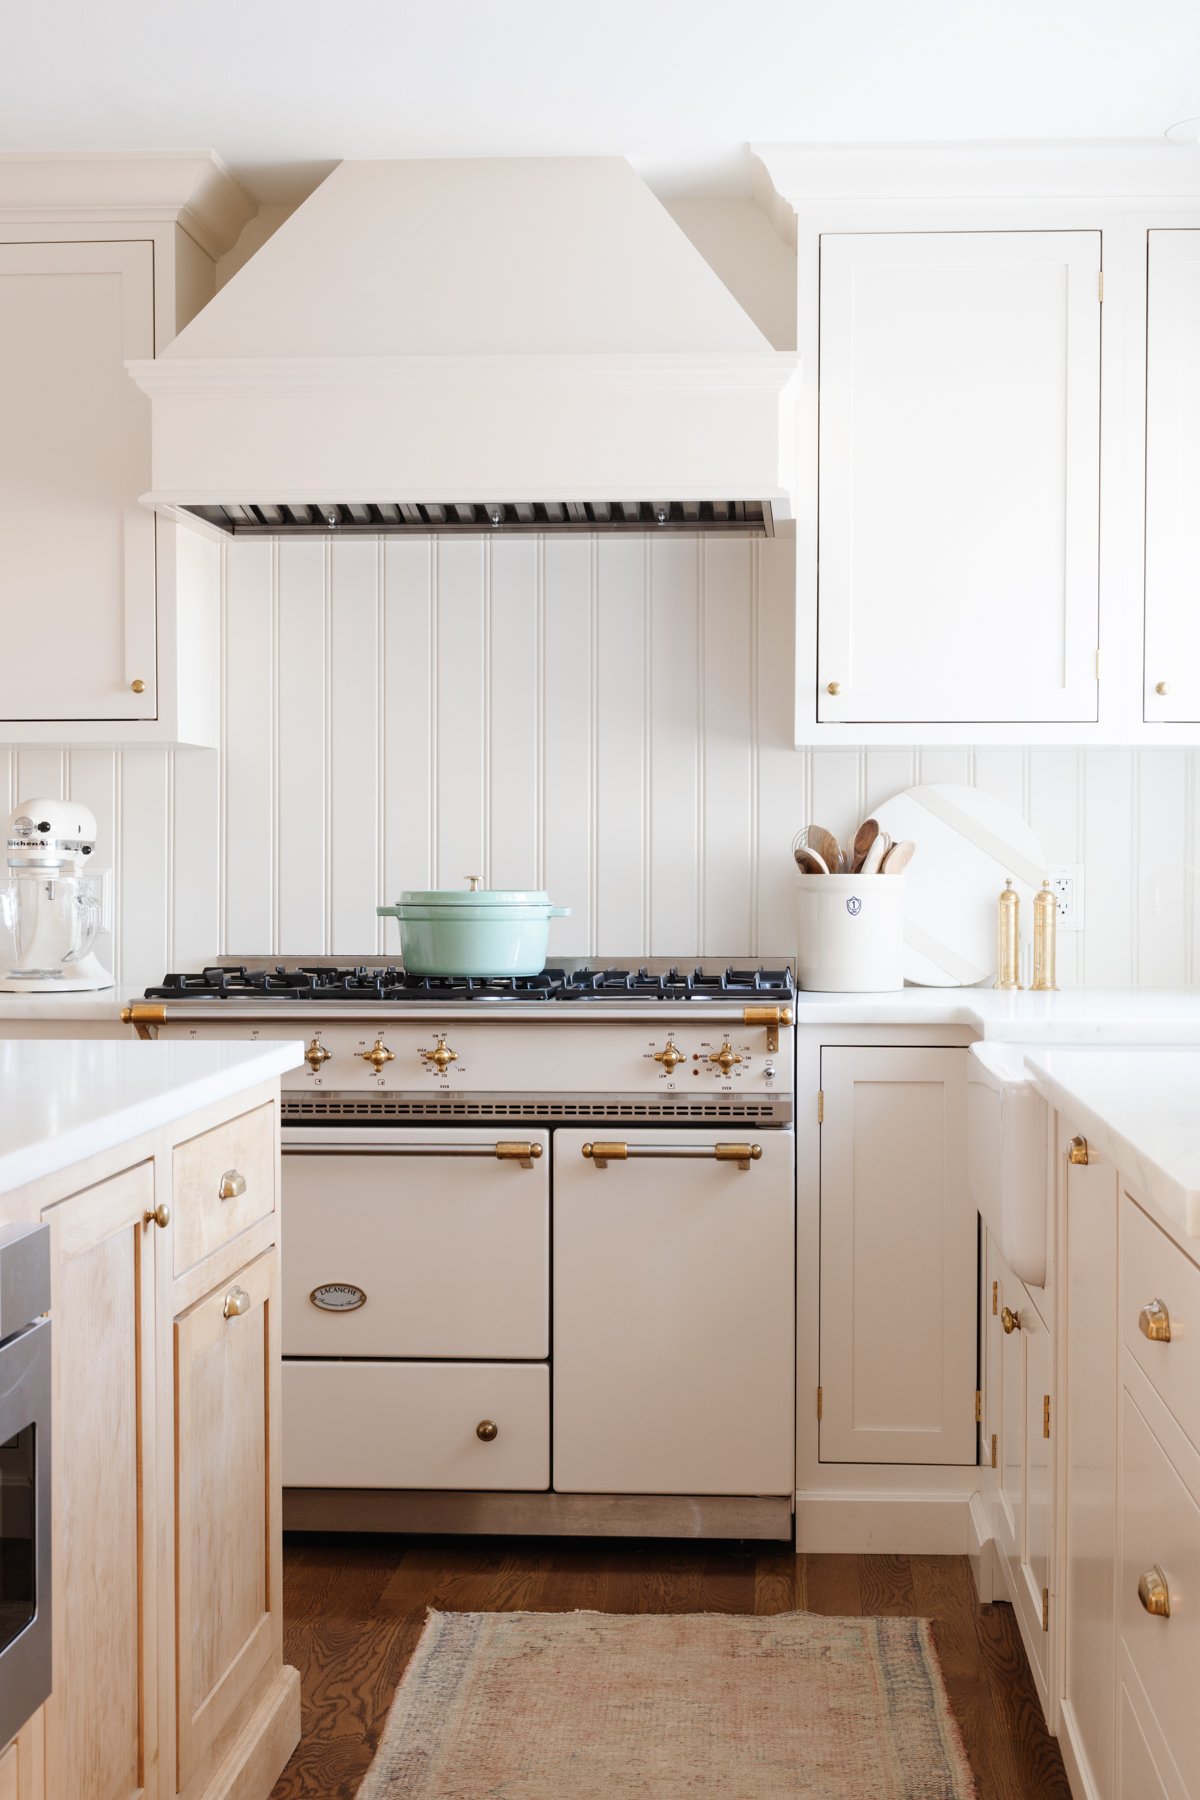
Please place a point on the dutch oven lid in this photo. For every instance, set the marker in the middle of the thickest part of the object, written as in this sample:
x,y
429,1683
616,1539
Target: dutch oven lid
x,y
474,895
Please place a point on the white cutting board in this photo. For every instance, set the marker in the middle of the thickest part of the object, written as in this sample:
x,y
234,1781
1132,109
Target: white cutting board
x,y
968,843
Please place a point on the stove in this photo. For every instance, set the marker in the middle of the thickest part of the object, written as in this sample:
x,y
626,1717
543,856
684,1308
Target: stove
x,y
371,984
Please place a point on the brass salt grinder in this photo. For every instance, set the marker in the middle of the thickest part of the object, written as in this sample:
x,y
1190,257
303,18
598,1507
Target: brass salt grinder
x,y
1045,941
1008,938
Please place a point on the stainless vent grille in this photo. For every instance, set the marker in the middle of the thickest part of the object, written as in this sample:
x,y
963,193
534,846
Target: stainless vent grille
x,y
516,1108
745,518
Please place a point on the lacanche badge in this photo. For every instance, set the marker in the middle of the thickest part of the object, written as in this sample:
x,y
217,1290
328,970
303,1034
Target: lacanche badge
x,y
338,1296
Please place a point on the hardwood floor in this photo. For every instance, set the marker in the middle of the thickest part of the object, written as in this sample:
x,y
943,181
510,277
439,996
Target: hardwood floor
x,y
354,1608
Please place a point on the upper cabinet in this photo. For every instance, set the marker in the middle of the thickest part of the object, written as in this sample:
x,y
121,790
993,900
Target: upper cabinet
x,y
1172,670
108,617
959,477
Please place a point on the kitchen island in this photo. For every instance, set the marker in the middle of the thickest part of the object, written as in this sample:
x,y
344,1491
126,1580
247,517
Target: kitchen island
x,y
155,1168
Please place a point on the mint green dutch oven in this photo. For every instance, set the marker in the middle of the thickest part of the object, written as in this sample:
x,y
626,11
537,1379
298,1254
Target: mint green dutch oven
x,y
476,931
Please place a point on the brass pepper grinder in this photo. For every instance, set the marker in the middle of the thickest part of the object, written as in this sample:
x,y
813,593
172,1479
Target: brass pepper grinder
x,y
1045,940
1008,938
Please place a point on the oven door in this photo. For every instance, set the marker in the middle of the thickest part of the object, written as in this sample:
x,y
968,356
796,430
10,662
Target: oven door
x,y
25,1670
674,1338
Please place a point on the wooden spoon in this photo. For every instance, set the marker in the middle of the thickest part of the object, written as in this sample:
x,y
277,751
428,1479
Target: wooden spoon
x,y
808,862
898,858
826,846
864,837
872,861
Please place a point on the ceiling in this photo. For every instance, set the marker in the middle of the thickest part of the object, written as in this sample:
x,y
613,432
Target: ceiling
x,y
282,91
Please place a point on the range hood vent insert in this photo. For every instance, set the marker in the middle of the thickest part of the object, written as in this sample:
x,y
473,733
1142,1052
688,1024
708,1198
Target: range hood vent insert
x,y
734,518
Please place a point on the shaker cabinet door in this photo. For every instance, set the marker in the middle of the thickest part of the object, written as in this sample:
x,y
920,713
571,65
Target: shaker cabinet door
x,y
1172,668
959,477
77,569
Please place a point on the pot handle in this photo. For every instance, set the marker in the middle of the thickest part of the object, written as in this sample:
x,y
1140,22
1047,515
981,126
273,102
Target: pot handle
x,y
558,912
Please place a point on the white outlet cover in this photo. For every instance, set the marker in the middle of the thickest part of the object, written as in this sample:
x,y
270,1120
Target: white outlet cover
x,y
1072,873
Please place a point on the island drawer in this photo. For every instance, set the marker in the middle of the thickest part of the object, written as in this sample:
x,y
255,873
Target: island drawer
x,y
1160,1292
223,1182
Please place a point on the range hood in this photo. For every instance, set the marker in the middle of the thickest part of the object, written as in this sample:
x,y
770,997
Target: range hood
x,y
473,346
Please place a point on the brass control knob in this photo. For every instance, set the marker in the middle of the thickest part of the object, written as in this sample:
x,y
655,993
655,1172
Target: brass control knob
x,y
725,1057
487,1431
160,1216
440,1056
378,1055
670,1056
1010,1320
316,1054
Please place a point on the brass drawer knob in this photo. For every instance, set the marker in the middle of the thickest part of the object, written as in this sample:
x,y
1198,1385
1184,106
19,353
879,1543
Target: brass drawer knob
x,y
160,1216
233,1185
1010,1320
138,687
1154,1322
237,1302
1162,687
1154,1593
834,688
487,1431
1078,1152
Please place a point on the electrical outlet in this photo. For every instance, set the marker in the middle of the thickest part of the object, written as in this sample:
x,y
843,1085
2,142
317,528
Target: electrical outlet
x,y
1067,883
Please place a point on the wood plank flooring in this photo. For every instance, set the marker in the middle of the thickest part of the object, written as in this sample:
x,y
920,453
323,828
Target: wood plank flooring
x,y
354,1608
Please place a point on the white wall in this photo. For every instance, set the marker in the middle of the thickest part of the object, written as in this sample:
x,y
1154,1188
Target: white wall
x,y
607,717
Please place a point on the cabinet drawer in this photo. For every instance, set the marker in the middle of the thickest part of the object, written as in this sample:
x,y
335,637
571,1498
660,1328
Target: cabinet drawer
x,y
414,1425
1160,1526
236,1159
1140,1779
1153,1269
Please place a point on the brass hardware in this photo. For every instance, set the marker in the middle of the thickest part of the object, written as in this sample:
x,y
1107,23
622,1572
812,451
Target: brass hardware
x,y
820,1106
159,1215
993,1450
725,1057
317,1055
669,1056
1008,939
1045,1609
1162,687
378,1055
770,1016
487,1431
742,1154
141,1017
820,1403
525,1154
474,882
1010,1320
1077,1153
1045,1415
600,1155
1154,1593
833,687
440,1056
1045,941
1100,286
995,1298
1097,665
1154,1322
237,1301
978,1407
139,687
233,1185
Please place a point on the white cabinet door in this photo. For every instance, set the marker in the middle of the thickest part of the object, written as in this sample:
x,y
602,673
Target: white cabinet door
x,y
959,476
674,1309
1173,477
77,573
898,1258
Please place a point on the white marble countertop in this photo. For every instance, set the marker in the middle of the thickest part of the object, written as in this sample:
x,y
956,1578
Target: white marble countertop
x,y
64,1100
1140,1109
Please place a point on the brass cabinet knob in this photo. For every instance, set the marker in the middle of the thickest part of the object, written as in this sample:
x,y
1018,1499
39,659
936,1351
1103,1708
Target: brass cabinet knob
x,y
237,1301
138,687
378,1055
1162,687
1154,1322
1154,1593
725,1057
1010,1320
233,1185
487,1431
1078,1152
316,1054
670,1056
160,1216
834,688
440,1056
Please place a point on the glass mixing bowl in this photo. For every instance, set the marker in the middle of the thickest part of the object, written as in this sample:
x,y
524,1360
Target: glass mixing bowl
x,y
47,924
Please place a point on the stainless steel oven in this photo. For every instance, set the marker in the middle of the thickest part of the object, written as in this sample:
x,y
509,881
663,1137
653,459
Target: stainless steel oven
x,y
24,1474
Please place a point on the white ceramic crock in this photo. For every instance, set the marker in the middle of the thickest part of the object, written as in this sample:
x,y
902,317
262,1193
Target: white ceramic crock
x,y
850,936
483,932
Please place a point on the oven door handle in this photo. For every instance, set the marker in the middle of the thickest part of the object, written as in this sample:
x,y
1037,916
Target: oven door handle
x,y
524,1153
600,1155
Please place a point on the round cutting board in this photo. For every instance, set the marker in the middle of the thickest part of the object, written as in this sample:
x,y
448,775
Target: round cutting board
x,y
968,844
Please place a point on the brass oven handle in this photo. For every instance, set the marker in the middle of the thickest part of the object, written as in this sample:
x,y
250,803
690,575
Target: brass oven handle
x,y
1010,1320
1154,1593
233,1185
524,1153
1154,1322
160,1216
237,1302
600,1155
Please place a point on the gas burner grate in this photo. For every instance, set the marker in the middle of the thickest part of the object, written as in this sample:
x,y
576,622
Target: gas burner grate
x,y
370,985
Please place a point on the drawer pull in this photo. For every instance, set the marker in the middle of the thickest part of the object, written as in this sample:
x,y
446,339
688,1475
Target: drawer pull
x,y
237,1302
487,1431
233,1185
1078,1152
1010,1320
1154,1593
1154,1322
525,1154
600,1155
160,1216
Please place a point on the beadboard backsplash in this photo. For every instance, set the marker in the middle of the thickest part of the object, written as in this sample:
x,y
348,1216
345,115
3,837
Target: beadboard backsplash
x,y
608,718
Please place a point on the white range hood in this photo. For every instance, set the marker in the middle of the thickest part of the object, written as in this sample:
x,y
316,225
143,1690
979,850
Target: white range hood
x,y
518,344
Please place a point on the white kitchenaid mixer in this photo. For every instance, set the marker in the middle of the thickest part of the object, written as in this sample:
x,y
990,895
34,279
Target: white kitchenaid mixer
x,y
50,911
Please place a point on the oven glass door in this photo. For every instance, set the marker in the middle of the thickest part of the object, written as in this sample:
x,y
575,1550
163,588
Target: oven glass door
x,y
24,1526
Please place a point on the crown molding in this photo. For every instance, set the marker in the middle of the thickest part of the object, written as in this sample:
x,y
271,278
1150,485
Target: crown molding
x,y
189,188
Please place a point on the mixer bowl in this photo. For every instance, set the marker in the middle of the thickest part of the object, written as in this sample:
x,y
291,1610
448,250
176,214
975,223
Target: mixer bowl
x,y
48,924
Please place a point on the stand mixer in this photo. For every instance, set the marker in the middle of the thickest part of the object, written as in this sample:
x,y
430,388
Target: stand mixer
x,y
50,911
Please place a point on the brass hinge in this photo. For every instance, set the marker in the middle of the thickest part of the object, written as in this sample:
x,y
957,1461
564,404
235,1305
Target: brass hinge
x,y
1045,1415
993,1449
820,1403
1045,1609
978,1406
1097,665
995,1297
820,1106
1100,285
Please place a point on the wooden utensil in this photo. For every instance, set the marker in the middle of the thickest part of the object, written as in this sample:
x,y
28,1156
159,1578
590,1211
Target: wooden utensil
x,y
898,858
826,846
881,843
808,862
864,837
